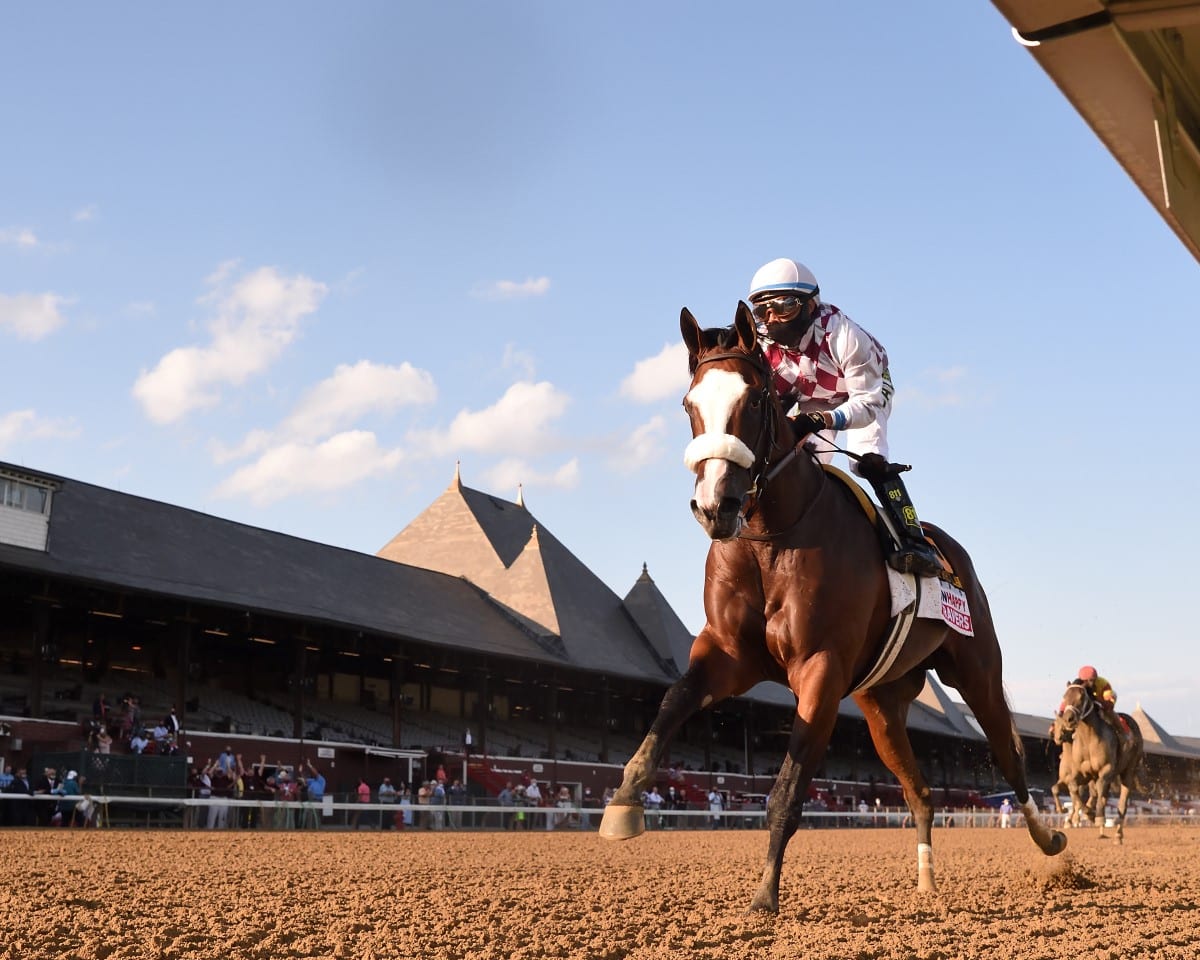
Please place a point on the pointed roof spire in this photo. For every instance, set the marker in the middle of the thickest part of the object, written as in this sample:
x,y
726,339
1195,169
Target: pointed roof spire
x,y
458,474
520,495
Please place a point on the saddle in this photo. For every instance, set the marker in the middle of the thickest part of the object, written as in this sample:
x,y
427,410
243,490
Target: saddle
x,y
888,538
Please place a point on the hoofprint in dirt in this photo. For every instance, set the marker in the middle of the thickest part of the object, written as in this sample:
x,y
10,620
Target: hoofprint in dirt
x,y
219,894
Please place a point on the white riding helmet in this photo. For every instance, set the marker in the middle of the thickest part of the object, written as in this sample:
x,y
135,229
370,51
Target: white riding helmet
x,y
784,276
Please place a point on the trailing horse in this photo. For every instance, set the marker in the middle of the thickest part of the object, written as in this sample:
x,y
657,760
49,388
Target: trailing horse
x,y
796,591
1068,776
1098,755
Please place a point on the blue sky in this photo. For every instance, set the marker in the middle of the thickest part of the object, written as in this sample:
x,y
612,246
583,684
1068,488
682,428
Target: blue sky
x,y
288,263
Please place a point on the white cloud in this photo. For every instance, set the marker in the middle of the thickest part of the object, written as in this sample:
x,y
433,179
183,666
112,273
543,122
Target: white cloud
x,y
356,390
18,236
256,318
31,316
519,361
516,423
511,472
84,214
515,290
337,402
643,446
659,377
27,425
295,468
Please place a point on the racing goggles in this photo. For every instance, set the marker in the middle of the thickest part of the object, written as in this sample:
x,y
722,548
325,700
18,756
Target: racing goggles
x,y
784,307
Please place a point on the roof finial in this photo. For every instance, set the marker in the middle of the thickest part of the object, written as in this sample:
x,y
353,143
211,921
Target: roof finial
x,y
458,474
520,495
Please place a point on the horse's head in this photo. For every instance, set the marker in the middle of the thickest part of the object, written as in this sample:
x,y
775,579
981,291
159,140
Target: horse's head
x,y
1076,705
735,419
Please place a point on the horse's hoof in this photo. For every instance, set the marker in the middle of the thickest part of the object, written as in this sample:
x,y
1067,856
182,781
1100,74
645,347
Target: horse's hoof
x,y
622,822
1058,843
762,905
925,882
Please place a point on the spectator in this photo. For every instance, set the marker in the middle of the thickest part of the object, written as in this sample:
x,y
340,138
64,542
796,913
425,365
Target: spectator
x,y
138,742
362,795
387,794
424,794
45,786
316,796
653,802
716,803
100,710
564,804
457,797
406,811
1006,809
19,813
221,792
507,799
171,722
437,800
589,803
672,801
533,798
227,760
103,741
287,792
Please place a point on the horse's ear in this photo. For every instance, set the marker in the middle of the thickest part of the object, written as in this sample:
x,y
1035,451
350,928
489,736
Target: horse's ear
x,y
690,330
743,322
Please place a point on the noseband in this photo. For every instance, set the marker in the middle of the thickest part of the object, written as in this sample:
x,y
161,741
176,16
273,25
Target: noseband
x,y
733,448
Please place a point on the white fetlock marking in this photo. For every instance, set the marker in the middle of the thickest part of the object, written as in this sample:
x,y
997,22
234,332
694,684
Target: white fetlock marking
x,y
924,856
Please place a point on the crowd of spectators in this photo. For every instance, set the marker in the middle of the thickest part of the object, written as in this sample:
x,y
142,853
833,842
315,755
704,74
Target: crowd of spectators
x,y
123,726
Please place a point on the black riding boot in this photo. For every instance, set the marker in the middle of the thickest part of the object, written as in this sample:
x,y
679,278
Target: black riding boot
x,y
914,555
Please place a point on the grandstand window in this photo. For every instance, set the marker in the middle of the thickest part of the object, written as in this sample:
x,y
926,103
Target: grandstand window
x,y
23,496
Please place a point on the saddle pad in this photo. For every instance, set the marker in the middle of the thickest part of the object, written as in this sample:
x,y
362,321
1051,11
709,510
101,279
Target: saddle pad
x,y
935,600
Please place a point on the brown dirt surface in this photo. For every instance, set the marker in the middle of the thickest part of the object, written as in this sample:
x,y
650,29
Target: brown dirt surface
x,y
116,894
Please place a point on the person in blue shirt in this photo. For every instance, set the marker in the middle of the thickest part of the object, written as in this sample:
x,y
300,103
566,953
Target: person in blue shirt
x,y
316,793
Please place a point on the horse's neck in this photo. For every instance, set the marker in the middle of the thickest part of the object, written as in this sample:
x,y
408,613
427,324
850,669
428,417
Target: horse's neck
x,y
788,496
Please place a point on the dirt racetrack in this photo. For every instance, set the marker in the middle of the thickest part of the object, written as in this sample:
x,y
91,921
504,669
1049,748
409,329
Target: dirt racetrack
x,y
75,895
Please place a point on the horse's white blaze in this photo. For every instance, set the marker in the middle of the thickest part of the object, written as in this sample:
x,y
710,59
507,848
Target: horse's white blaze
x,y
712,472
714,396
710,452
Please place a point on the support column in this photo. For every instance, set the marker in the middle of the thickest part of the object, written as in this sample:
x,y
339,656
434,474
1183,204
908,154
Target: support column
x,y
552,711
43,650
299,682
396,697
185,639
605,719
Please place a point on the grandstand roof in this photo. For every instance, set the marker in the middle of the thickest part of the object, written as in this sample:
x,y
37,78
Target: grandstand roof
x,y
1156,739
121,541
499,546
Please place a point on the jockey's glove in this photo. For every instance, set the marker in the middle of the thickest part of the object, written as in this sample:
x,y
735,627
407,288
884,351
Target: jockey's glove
x,y
807,423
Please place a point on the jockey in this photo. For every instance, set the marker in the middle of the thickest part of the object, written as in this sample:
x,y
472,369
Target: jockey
x,y
1104,695
835,375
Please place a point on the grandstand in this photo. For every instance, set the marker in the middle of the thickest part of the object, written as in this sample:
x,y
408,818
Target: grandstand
x,y
474,616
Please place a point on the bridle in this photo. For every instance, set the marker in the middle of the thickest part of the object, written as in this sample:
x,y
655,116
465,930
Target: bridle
x,y
762,470
1089,705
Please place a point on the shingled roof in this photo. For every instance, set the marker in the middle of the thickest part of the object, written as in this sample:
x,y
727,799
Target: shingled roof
x,y
117,540
500,547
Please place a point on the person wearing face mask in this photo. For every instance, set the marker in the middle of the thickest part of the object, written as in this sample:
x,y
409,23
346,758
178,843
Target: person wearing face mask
x,y
832,377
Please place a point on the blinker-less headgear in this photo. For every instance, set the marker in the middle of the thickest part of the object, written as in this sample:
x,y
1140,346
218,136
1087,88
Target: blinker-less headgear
x,y
786,291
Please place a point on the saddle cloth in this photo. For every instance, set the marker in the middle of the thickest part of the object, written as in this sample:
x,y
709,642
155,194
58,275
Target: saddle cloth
x,y
932,598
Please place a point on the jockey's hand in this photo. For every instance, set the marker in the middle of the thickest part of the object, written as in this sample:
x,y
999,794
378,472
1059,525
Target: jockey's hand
x,y
808,423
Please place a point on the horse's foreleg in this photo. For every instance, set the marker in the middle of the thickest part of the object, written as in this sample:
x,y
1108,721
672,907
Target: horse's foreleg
x,y
624,816
816,714
885,709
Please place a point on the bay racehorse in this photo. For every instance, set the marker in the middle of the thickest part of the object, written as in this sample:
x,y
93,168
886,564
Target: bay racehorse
x,y
1098,755
796,591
